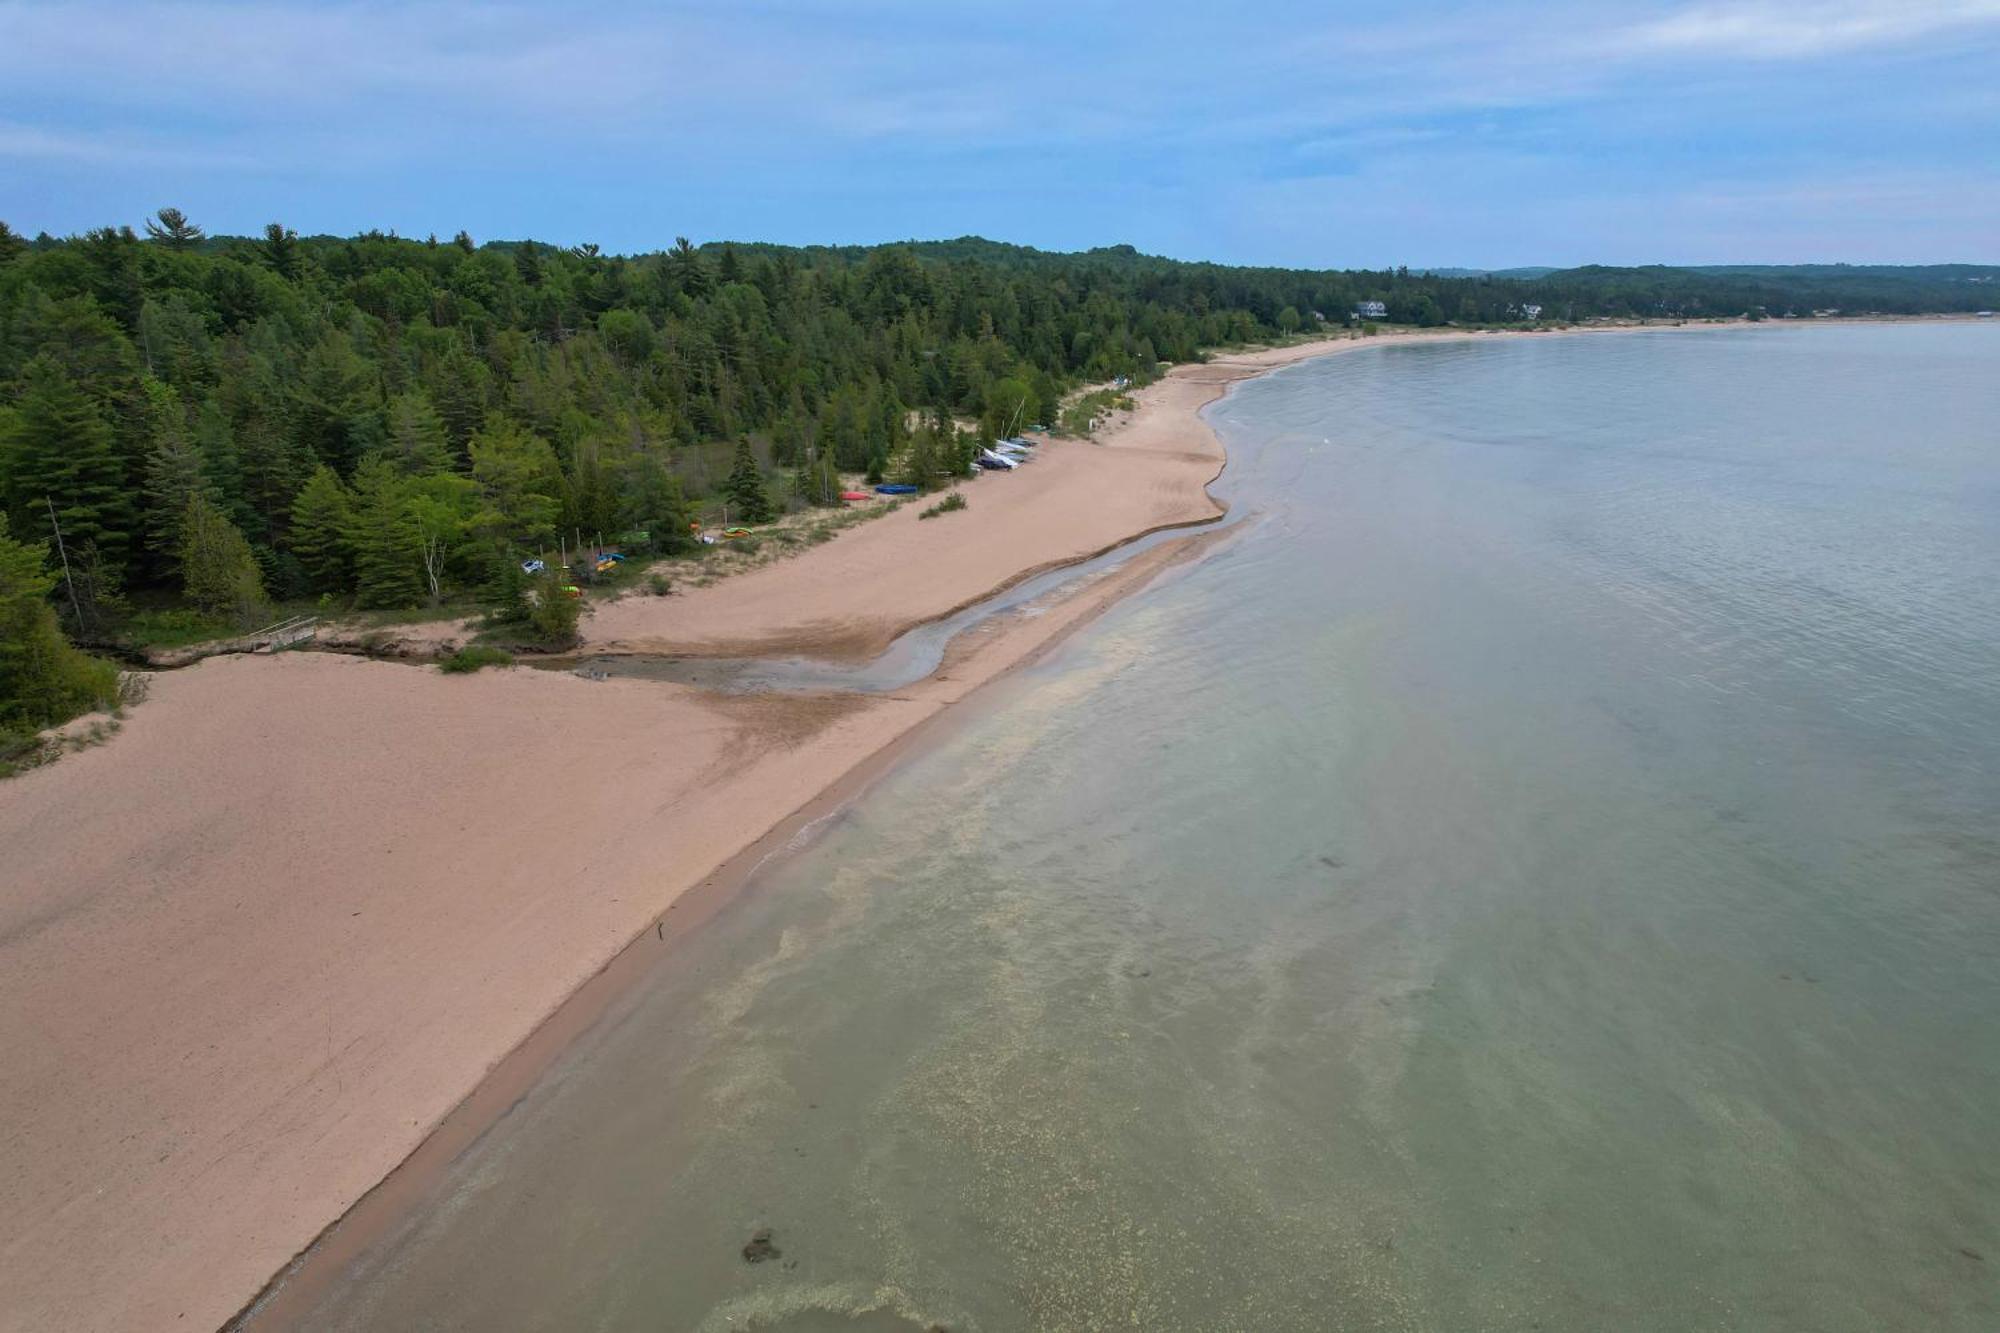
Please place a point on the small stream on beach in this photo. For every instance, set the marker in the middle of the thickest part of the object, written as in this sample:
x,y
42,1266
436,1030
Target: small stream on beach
x,y
914,654
1544,873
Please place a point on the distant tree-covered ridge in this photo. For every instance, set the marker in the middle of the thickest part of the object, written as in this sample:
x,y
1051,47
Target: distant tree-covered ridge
x,y
390,421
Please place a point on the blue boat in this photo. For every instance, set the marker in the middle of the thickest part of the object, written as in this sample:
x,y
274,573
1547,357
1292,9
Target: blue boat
x,y
895,490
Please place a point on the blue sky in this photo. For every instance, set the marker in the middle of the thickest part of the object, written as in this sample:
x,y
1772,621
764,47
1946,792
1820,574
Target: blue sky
x,y
1323,134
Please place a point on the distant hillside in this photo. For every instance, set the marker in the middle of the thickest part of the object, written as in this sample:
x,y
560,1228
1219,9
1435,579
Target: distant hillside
x,y
1778,288
1434,295
1943,273
1788,289
1530,272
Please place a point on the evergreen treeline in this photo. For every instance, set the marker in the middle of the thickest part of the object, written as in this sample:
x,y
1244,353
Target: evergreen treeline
x,y
44,680
239,419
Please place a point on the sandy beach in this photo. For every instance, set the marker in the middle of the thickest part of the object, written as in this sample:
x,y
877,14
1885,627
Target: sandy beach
x,y
259,945
851,597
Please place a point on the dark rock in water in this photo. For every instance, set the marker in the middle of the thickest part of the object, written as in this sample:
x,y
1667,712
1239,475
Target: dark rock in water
x,y
760,1247
1972,1254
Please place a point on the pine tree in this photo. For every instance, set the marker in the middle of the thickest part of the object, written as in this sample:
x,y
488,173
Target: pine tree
x,y
920,461
388,548
273,466
280,248
687,269
521,482
61,447
112,255
218,573
650,499
416,435
528,263
459,389
43,679
222,463
745,486
334,403
174,472
322,516
171,228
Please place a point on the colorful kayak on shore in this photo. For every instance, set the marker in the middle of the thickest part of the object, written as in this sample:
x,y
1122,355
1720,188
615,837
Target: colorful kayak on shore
x,y
895,489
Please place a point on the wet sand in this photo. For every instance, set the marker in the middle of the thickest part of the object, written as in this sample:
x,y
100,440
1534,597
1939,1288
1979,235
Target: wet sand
x,y
259,946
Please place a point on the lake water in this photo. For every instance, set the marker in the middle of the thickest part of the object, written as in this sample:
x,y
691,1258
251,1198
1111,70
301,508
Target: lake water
x,y
1541,872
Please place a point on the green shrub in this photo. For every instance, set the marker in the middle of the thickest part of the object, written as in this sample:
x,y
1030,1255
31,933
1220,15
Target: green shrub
x,y
467,660
1082,416
554,614
44,679
951,504
659,585
20,750
173,629
217,569
471,659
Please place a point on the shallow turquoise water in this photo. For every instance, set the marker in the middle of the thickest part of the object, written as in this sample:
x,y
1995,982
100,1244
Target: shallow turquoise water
x,y
1543,872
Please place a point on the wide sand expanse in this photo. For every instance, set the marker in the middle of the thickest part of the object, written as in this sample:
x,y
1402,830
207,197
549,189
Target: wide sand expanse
x,y
255,947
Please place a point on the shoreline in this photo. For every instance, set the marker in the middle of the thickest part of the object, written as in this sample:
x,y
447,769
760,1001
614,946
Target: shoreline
x,y
294,1290
381,1213
194,1059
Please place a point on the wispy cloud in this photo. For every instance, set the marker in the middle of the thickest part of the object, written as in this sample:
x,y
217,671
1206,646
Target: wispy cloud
x,y
1804,28
31,142
791,118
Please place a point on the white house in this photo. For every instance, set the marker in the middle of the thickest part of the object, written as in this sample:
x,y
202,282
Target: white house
x,y
1371,310
1531,312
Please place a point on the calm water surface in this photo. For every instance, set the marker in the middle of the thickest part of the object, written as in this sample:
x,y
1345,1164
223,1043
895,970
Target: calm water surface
x,y
1542,873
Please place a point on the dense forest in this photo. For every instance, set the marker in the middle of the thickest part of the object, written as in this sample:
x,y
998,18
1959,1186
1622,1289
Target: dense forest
x,y
385,422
